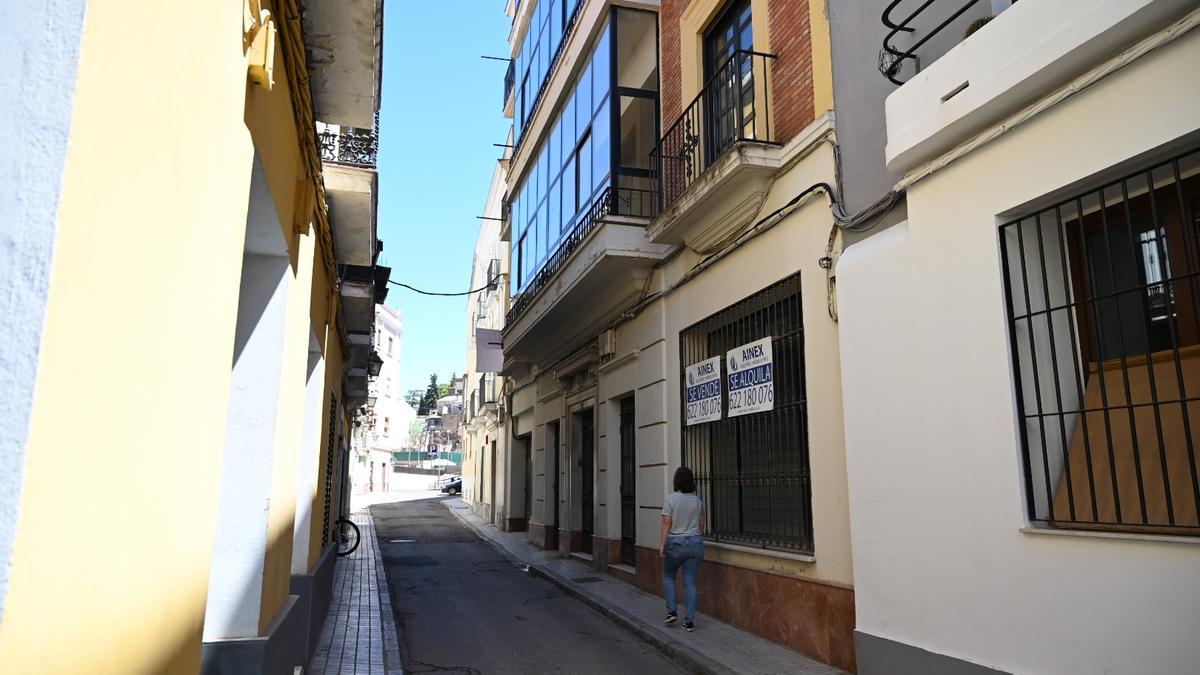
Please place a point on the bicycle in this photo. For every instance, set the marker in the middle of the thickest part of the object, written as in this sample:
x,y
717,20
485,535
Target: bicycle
x,y
346,535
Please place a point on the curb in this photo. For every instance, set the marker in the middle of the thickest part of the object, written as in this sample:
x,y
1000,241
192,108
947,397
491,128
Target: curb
x,y
681,654
393,664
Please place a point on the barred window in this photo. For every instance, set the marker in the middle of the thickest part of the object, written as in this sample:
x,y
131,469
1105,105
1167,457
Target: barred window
x,y
1104,323
752,470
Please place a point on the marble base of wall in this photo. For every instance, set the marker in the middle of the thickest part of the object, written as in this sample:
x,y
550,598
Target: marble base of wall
x,y
881,656
811,617
313,594
273,653
513,524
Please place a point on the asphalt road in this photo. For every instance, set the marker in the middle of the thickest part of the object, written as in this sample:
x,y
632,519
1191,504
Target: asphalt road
x,y
461,607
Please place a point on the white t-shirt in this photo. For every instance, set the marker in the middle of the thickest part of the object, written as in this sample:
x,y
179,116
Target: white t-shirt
x,y
684,510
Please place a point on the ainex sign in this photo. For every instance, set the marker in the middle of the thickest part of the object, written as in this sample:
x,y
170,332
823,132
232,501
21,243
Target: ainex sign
x,y
751,378
704,391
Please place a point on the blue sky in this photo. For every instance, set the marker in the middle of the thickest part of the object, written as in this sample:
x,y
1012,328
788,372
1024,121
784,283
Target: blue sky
x,y
440,115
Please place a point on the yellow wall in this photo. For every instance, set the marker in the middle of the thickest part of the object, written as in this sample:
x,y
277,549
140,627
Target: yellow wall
x,y
115,533
331,338
112,551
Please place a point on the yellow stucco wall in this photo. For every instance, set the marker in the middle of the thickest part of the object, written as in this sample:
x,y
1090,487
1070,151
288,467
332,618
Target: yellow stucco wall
x,y
112,551
113,546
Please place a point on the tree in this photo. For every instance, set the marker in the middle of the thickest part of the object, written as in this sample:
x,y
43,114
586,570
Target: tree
x,y
413,398
444,389
414,433
429,401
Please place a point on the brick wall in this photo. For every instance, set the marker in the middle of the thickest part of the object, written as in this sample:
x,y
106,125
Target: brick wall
x,y
668,26
792,86
791,78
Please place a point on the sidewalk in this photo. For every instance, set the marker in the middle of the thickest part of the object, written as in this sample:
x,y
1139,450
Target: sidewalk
x,y
715,647
359,635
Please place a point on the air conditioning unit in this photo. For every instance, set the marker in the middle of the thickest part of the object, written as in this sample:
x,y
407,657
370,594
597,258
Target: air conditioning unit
x,y
493,274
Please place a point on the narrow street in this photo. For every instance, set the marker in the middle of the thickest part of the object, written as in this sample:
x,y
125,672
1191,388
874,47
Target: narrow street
x,y
463,608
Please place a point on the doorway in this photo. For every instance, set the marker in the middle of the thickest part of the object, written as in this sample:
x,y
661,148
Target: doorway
x,y
492,484
587,492
528,443
729,68
628,483
551,516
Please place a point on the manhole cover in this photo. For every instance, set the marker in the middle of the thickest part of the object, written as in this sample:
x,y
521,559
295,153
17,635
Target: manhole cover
x,y
415,561
586,580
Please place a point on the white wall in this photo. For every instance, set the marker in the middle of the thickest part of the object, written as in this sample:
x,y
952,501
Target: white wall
x,y
307,468
39,49
235,582
936,502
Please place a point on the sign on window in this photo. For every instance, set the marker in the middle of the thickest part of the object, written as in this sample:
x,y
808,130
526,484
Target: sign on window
x,y
704,391
751,378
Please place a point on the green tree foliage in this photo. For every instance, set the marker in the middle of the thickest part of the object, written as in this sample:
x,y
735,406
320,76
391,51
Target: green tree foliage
x,y
413,397
414,433
429,401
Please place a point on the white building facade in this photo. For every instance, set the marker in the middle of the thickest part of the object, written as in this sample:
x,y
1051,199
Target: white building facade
x,y
1019,353
383,430
482,441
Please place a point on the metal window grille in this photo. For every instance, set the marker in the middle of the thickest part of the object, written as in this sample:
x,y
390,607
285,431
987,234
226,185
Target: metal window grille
x,y
1103,302
329,451
752,470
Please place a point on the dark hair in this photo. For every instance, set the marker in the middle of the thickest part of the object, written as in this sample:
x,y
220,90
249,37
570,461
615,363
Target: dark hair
x,y
684,480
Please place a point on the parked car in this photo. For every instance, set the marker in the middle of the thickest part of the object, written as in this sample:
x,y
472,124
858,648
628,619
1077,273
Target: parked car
x,y
453,487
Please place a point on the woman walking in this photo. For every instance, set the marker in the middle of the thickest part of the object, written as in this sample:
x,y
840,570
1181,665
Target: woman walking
x,y
681,545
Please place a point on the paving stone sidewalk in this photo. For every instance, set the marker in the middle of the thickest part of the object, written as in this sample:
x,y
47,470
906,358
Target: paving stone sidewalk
x,y
715,647
359,634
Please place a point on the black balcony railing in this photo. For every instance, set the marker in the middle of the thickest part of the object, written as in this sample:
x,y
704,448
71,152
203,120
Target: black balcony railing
x,y
350,145
733,106
610,202
892,58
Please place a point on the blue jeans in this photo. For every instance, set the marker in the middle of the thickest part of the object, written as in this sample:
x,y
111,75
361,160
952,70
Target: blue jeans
x,y
686,552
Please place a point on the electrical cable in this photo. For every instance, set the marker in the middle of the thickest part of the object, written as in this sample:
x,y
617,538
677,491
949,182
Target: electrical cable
x,y
495,280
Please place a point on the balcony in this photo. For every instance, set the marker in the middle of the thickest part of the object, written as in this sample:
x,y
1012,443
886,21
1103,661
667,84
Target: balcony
x,y
960,74
599,268
351,186
714,163
349,145
344,39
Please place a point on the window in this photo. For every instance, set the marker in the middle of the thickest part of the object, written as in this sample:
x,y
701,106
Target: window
x,y
752,470
1103,299
386,424
728,66
549,197
549,24
390,345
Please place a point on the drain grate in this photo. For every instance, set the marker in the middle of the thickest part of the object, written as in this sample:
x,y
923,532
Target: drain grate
x,y
586,580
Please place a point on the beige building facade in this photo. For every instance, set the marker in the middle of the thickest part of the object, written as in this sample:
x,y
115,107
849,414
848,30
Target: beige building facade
x,y
667,205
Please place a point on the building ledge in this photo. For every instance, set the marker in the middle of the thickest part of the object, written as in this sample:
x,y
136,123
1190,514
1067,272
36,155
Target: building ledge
x,y
353,194
720,204
982,79
603,274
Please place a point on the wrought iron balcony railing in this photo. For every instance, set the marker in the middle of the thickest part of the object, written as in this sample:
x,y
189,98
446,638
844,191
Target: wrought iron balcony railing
x,y
733,106
891,58
349,145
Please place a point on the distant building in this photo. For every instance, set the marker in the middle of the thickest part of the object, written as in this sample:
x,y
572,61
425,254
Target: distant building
x,y
483,442
384,424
